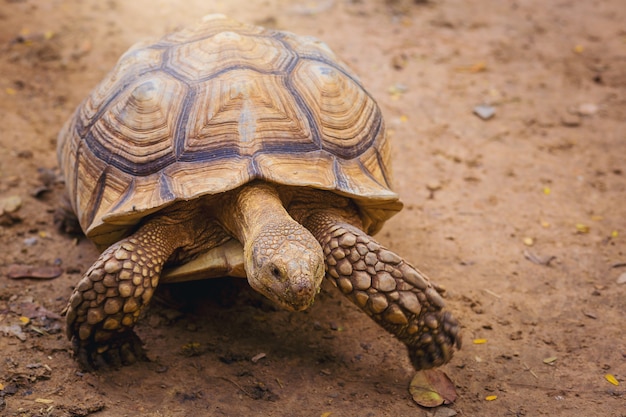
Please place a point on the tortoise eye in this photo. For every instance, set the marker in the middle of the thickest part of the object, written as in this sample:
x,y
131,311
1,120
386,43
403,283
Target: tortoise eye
x,y
276,272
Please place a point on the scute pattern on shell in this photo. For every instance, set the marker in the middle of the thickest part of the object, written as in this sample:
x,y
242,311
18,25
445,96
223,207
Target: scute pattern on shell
x,y
209,108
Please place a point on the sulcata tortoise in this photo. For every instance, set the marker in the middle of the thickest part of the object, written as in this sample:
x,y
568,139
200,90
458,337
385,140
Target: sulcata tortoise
x,y
230,149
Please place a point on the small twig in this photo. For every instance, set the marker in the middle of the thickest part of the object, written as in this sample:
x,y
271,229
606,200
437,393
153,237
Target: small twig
x,y
530,370
491,293
237,385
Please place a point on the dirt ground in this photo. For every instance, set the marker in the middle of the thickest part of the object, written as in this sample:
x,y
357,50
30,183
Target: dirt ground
x,y
522,217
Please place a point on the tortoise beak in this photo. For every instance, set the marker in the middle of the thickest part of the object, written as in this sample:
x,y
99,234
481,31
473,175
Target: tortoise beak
x,y
292,284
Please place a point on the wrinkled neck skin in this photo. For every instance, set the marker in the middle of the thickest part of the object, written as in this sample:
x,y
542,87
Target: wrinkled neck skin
x,y
283,260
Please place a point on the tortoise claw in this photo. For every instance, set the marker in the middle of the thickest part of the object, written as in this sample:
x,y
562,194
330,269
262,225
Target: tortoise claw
x,y
121,350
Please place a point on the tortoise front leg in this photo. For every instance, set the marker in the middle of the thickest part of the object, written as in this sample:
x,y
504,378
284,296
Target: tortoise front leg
x,y
107,302
395,294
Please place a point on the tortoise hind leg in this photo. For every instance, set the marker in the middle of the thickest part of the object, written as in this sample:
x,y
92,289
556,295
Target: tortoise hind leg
x,y
107,302
395,294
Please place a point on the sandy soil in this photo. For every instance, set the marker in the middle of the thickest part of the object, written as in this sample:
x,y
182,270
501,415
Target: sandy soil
x,y
521,216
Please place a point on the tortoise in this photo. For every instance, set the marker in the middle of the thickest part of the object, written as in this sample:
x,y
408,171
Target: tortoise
x,y
227,149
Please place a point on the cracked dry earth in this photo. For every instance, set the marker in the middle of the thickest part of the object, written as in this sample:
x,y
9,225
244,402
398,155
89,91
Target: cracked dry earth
x,y
520,216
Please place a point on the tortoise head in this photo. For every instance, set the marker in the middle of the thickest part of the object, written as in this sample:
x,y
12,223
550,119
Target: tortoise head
x,y
286,265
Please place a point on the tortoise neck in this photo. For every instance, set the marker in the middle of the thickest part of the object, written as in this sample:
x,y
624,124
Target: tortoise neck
x,y
251,209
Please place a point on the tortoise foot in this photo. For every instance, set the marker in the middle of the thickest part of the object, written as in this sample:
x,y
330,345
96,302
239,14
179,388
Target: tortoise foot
x,y
395,294
123,349
109,299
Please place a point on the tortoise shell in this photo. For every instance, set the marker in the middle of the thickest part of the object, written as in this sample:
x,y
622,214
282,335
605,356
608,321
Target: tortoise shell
x,y
207,109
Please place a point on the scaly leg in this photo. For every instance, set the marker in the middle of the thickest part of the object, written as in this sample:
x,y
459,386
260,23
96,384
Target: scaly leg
x,y
108,300
395,294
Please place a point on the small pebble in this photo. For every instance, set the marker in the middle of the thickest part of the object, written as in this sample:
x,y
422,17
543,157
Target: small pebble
x,y
445,412
587,109
484,111
398,88
622,279
10,204
399,61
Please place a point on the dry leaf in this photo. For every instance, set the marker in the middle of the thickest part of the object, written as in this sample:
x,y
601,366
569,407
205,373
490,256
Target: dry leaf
x,y
582,228
539,260
257,357
611,379
432,388
477,67
43,401
17,271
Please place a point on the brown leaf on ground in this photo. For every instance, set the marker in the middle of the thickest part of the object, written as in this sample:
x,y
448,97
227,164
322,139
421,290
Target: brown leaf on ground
x,y
18,271
432,388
